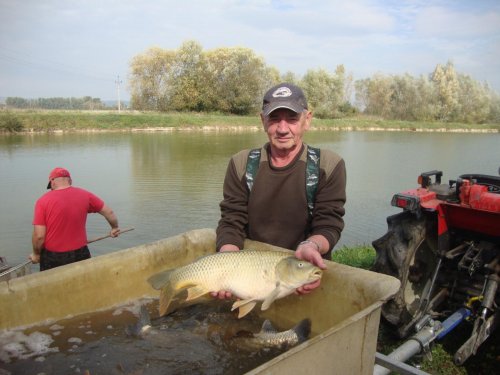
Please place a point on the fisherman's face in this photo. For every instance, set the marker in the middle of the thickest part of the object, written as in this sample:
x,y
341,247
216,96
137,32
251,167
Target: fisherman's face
x,y
285,128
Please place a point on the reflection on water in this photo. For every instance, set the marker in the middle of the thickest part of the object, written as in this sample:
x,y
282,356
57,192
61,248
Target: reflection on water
x,y
198,339
167,183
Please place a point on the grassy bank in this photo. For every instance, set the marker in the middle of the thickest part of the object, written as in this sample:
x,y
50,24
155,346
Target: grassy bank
x,y
46,121
440,360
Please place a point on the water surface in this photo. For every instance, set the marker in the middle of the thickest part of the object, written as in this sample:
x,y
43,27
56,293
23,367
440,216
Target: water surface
x,y
166,183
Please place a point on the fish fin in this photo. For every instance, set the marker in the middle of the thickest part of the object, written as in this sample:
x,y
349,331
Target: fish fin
x,y
159,280
239,303
270,298
195,292
303,330
245,309
267,327
166,296
244,305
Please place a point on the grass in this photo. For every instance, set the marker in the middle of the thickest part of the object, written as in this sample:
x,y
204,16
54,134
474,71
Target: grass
x,y
440,359
57,120
360,256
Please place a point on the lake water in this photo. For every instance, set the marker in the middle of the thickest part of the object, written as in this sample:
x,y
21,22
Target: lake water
x,y
165,183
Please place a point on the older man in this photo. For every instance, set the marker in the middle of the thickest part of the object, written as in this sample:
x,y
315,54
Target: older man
x,y
286,193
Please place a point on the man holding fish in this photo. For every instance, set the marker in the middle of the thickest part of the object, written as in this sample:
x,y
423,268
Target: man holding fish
x,y
286,193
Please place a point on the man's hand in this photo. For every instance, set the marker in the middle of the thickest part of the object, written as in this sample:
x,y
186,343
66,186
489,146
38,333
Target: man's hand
x,y
308,288
35,258
115,232
224,294
228,247
309,251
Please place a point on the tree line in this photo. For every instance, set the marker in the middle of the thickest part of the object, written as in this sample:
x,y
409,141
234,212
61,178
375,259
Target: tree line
x,y
227,80
85,103
233,80
443,95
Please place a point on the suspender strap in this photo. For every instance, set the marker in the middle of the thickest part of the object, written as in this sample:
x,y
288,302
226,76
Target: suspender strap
x,y
312,173
312,176
253,161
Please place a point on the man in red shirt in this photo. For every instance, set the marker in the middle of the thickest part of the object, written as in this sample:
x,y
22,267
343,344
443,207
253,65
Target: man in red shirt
x,y
59,232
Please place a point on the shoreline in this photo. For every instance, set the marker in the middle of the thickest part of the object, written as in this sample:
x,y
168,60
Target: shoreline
x,y
60,122
215,128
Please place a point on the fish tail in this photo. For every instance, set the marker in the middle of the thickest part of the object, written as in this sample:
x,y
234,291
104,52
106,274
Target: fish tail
x,y
166,295
303,330
159,280
163,281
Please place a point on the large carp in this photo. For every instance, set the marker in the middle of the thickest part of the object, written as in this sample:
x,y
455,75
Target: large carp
x,y
250,275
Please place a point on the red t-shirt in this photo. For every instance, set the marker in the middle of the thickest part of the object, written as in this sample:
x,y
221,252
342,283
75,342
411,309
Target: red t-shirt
x,y
64,214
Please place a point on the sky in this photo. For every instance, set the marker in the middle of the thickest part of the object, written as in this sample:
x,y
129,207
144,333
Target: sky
x,y
76,48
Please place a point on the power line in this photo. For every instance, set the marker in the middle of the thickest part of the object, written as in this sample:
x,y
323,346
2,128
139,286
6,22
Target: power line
x,y
20,59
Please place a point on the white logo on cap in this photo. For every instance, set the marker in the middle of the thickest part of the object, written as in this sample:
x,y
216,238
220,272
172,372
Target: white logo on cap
x,y
282,92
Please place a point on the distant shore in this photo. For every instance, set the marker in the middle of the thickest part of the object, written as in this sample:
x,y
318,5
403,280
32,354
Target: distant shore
x,y
42,121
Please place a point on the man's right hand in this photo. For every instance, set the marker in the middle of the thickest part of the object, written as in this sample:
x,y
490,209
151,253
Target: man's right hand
x,y
224,294
115,232
35,258
228,247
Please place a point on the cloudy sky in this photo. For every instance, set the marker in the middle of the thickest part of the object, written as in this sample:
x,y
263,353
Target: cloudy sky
x,y
77,48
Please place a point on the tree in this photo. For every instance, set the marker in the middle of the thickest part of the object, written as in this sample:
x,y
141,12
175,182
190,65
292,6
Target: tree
x,y
238,79
447,85
187,78
289,77
226,79
324,92
412,98
16,102
494,112
376,95
473,100
151,79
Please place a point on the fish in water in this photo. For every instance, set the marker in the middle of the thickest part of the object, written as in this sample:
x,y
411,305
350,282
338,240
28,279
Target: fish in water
x,y
250,275
269,337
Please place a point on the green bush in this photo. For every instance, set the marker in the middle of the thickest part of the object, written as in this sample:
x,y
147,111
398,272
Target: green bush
x,y
10,123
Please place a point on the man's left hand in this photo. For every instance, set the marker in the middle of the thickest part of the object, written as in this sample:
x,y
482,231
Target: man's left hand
x,y
310,253
115,232
308,288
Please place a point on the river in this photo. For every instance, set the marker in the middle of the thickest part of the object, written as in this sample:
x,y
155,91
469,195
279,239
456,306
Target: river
x,y
165,183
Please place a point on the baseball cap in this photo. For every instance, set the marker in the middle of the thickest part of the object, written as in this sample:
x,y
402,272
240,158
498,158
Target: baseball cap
x,y
284,95
58,172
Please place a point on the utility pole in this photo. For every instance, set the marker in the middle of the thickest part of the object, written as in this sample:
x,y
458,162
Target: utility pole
x,y
118,83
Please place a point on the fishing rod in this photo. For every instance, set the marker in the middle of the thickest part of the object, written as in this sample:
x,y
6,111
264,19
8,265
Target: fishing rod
x,y
109,235
12,269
